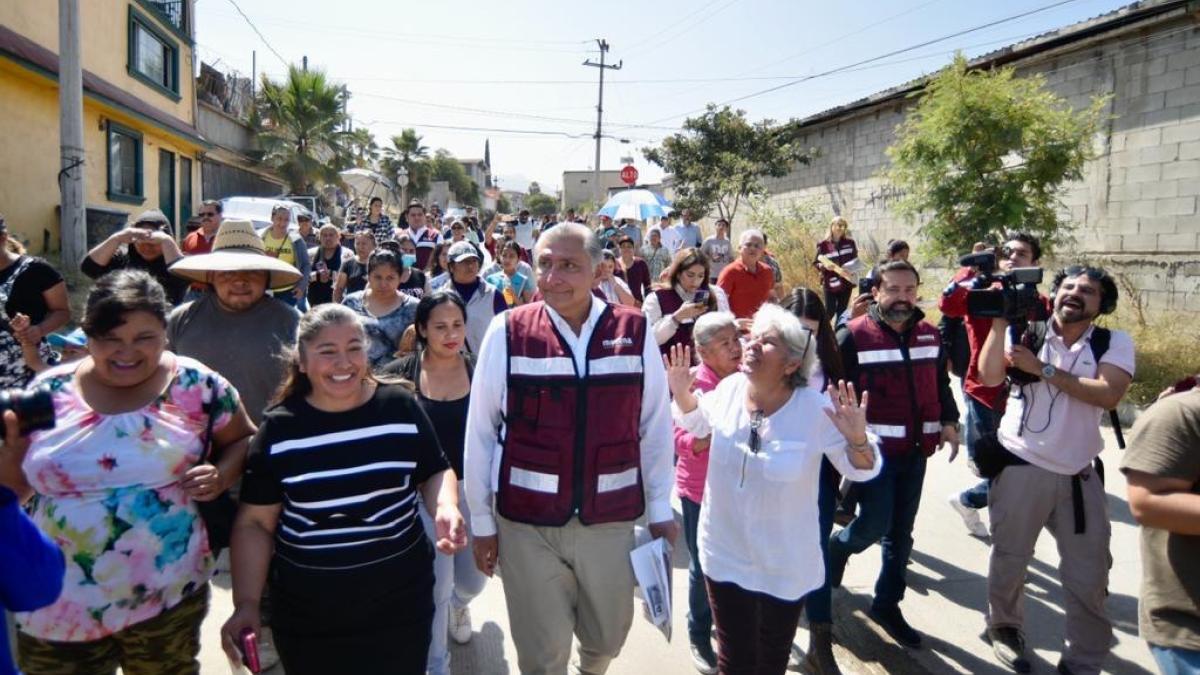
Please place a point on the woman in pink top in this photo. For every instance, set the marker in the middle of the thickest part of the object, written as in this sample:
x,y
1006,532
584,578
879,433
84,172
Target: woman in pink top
x,y
716,338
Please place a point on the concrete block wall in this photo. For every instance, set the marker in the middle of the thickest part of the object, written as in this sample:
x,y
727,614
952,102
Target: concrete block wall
x,y
1137,206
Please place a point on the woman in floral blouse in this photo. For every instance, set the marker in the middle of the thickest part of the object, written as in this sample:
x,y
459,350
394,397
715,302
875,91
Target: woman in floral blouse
x,y
116,484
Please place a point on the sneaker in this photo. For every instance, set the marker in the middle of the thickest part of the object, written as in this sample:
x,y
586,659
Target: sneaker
x,y
1009,648
892,622
969,515
460,624
704,658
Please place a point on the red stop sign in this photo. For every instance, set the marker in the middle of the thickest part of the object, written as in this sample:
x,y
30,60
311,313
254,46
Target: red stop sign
x,y
629,175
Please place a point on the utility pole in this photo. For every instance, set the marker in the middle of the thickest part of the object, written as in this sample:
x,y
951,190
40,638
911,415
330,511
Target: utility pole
x,y
72,223
253,74
597,193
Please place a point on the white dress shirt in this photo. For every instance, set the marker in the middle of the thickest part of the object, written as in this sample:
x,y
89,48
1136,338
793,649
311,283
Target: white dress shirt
x,y
485,426
758,521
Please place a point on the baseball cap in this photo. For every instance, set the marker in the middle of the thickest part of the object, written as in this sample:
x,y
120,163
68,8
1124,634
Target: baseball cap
x,y
461,251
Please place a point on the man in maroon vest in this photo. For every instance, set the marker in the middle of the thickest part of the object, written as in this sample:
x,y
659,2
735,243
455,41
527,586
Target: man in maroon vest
x,y
568,442
897,356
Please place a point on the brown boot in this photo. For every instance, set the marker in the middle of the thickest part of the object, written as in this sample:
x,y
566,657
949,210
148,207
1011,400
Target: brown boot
x,y
819,659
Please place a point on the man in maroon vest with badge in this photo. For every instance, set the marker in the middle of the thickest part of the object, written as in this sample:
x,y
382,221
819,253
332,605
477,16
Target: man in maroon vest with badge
x,y
568,441
897,356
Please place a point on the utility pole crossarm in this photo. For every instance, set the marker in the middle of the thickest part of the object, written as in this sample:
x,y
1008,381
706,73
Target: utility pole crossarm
x,y
602,66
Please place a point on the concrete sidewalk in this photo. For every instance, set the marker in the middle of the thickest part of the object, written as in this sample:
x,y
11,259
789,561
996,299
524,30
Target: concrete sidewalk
x,y
946,599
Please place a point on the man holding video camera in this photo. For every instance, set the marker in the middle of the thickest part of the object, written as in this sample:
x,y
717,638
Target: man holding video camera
x,y
984,404
1041,458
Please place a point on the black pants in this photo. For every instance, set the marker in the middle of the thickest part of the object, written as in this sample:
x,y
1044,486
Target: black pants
x,y
754,630
836,302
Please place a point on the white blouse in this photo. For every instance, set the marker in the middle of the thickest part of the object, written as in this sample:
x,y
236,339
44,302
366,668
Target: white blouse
x,y
663,325
758,522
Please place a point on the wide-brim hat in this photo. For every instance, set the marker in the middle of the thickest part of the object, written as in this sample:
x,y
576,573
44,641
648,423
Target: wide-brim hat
x,y
236,248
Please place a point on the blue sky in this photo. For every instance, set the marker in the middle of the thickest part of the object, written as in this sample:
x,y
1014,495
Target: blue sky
x,y
504,69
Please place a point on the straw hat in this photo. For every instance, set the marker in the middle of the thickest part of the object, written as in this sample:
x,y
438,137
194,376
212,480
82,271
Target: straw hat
x,y
236,248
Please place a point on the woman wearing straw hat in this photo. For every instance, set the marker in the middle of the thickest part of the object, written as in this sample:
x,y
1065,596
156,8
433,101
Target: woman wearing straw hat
x,y
237,313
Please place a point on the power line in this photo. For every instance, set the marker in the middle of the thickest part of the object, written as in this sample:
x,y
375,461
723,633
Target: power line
x,y
677,28
260,35
496,130
864,61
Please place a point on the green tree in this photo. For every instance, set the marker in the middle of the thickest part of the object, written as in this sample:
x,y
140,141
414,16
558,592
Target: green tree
x,y
408,152
503,205
985,152
445,167
363,149
300,129
541,204
720,159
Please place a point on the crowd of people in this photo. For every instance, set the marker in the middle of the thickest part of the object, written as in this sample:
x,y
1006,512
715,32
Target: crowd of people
x,y
376,420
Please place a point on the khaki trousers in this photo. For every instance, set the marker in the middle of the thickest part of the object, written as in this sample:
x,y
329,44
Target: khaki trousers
x,y
1023,500
563,581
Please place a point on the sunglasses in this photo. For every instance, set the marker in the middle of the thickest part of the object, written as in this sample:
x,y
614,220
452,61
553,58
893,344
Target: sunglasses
x,y
756,421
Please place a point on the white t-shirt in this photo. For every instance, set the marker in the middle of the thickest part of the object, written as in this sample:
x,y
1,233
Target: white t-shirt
x,y
524,234
1050,429
758,522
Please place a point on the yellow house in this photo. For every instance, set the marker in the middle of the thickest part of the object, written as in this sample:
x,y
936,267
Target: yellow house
x,y
139,115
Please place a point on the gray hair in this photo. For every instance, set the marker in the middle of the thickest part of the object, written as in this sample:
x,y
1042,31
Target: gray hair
x,y
711,323
800,342
591,243
750,233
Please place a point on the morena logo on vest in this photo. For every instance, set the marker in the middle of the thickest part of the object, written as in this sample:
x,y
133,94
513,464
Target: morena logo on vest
x,y
617,342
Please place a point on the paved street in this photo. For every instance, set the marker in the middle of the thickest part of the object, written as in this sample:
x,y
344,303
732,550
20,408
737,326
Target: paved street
x,y
947,594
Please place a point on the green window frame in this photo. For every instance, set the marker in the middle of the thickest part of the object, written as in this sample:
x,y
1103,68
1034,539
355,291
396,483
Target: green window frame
x,y
116,189
143,27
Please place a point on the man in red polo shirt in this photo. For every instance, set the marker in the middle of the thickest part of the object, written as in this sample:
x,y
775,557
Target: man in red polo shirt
x,y
201,240
747,281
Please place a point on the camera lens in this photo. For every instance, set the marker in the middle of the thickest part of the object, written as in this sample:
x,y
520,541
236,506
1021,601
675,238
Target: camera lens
x,y
34,409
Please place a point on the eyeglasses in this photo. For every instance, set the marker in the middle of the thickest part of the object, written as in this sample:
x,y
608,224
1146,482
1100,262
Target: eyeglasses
x,y
756,421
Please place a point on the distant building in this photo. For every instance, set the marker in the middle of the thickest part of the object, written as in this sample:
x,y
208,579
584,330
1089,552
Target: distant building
x,y
515,199
224,102
578,189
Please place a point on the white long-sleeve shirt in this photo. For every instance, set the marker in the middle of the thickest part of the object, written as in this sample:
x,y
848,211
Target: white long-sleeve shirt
x,y
758,521
485,428
663,325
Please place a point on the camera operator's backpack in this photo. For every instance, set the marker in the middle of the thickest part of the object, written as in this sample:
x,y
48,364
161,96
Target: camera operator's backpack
x,y
1100,341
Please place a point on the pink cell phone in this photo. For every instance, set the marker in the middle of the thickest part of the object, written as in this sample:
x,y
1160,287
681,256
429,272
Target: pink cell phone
x,y
248,644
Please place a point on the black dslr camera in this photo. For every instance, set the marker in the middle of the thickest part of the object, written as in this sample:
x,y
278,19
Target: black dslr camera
x,y
1016,300
34,409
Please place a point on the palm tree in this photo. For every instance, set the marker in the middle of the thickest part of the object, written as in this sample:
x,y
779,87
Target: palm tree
x,y
301,129
407,152
363,148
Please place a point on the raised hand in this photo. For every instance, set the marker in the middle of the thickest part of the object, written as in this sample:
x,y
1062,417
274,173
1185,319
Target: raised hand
x,y
679,370
848,413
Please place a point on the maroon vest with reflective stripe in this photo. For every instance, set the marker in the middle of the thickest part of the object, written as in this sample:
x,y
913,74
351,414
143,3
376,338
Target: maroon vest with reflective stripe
x,y
572,444
426,243
670,301
904,409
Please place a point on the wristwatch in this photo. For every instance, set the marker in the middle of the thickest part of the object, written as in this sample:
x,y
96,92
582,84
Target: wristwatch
x,y
1048,371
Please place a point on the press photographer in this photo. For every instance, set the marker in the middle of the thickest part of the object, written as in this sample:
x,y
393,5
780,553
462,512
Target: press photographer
x,y
1041,464
978,279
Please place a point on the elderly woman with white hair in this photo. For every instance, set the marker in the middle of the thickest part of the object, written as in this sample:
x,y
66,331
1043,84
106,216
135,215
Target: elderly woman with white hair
x,y
716,338
758,533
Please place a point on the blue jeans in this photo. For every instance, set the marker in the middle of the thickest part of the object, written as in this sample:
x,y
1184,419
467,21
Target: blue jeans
x,y
981,420
456,582
290,300
887,510
700,620
1176,660
818,603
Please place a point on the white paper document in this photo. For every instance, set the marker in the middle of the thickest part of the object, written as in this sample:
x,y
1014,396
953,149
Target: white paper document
x,y
652,568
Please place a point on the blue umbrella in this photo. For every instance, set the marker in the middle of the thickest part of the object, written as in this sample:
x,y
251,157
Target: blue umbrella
x,y
636,205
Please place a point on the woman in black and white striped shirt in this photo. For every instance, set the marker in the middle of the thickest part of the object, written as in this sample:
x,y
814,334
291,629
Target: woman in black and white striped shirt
x,y
329,513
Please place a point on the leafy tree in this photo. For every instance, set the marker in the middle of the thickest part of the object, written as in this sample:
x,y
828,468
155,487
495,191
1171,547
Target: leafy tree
x,y
300,130
408,152
534,188
363,149
445,167
503,205
720,159
541,204
985,152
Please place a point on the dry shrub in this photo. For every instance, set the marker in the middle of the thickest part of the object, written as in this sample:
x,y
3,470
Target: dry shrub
x,y
792,235
1166,350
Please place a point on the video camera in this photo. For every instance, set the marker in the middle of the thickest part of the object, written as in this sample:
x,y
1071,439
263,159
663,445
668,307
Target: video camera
x,y
1016,300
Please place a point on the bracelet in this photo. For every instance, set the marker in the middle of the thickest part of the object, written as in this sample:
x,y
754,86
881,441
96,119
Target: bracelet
x,y
859,447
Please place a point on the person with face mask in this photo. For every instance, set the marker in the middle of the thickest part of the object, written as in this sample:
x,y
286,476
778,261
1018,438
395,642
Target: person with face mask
x,y
1043,462
895,356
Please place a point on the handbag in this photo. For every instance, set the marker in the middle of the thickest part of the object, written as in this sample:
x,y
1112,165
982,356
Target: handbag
x,y
991,457
217,514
